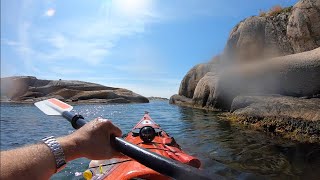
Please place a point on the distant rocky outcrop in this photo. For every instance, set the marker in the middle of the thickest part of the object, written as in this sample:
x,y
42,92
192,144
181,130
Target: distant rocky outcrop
x,y
274,53
29,89
153,98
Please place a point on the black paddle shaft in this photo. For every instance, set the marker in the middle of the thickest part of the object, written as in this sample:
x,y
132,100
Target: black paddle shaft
x,y
150,159
159,163
76,120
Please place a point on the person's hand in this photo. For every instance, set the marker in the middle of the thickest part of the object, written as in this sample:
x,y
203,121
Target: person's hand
x,y
93,139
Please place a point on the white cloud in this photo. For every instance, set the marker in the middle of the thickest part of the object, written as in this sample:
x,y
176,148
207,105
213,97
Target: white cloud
x,y
50,12
9,42
65,47
90,39
134,9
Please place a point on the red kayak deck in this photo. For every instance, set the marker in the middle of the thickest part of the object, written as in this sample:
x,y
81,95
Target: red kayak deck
x,y
162,144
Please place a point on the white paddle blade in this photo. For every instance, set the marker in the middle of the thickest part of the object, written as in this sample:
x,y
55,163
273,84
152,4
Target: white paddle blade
x,y
53,106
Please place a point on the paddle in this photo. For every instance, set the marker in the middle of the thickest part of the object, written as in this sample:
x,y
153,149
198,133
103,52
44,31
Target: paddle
x,y
152,160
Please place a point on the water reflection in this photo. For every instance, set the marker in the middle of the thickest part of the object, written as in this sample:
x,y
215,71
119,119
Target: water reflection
x,y
245,150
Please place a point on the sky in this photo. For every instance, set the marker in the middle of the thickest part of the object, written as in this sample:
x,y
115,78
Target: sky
x,y
146,46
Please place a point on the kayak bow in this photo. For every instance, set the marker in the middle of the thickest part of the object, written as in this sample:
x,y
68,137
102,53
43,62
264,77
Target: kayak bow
x,y
148,135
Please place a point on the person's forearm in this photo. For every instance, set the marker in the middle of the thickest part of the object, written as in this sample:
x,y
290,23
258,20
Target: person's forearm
x,y
35,161
32,162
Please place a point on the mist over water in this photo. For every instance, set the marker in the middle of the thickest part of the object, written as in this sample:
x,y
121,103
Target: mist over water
x,y
223,148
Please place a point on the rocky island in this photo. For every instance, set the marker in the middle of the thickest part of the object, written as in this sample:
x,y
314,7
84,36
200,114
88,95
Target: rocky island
x,y
152,98
29,89
267,77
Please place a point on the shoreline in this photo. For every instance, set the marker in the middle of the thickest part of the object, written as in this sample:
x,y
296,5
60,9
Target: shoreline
x,y
289,128
295,129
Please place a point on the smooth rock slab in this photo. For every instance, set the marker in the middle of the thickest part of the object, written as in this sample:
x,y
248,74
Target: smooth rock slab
x,y
294,118
294,75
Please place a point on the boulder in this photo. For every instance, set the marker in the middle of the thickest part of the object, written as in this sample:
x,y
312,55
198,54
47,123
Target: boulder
x,y
191,79
204,91
293,30
246,39
180,100
303,27
295,75
257,37
276,41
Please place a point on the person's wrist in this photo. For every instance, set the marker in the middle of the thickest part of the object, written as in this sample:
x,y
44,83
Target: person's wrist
x,y
56,150
70,146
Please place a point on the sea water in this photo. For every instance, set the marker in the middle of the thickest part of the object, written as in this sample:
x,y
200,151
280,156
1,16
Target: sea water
x,y
225,149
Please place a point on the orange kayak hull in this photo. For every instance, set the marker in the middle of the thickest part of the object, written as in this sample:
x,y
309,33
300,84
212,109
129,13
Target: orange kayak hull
x,y
162,144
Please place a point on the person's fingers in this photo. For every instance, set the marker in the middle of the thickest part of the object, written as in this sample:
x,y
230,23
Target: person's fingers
x,y
112,129
115,130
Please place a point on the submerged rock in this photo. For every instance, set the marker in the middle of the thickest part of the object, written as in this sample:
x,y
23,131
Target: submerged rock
x,y
28,89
